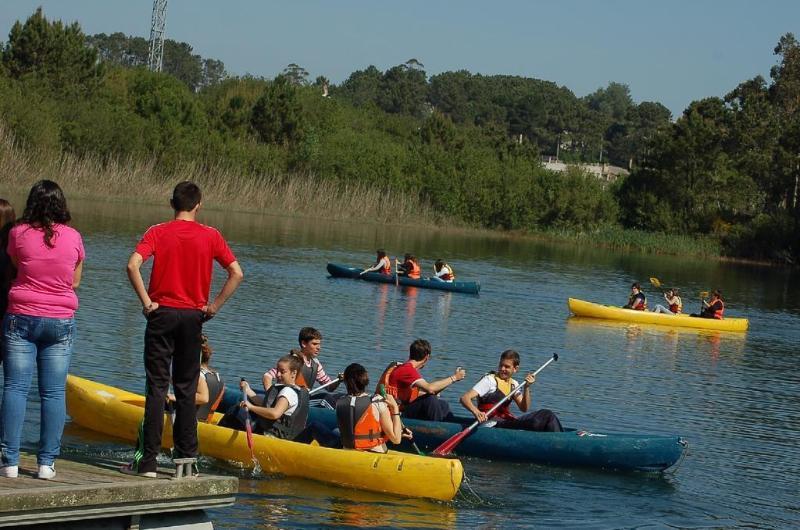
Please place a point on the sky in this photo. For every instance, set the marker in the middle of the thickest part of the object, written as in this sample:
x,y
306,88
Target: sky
x,y
672,52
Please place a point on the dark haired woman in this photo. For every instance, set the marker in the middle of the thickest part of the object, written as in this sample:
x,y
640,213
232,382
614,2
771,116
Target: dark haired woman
x,y
7,270
383,264
39,325
366,422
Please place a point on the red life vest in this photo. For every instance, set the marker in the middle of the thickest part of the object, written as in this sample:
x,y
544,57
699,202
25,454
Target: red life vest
x,y
676,307
403,396
720,309
449,277
488,401
387,266
357,424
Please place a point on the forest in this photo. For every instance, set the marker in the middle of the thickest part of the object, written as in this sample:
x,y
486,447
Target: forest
x,y
468,146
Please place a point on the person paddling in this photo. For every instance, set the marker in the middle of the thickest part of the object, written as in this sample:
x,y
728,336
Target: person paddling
x,y
383,264
675,306
418,398
410,267
443,271
713,308
494,386
637,300
367,422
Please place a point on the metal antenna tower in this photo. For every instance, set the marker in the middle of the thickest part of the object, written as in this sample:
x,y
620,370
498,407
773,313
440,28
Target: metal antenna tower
x,y
156,58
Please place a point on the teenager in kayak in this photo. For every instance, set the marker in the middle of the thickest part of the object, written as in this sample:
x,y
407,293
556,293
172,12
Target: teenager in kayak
x,y
494,386
383,264
713,308
367,422
418,398
675,306
410,267
311,370
637,300
443,271
210,387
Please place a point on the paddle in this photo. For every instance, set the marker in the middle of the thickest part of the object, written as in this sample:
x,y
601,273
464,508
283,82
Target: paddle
x,y
326,385
248,427
382,391
448,445
656,283
396,273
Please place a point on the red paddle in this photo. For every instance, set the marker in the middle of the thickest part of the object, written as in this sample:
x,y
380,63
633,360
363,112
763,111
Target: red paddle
x,y
448,445
248,427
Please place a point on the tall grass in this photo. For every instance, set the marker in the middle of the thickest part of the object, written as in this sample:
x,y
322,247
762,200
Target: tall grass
x,y
142,181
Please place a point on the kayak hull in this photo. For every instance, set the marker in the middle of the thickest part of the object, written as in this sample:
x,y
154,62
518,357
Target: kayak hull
x,y
582,308
340,271
118,413
619,452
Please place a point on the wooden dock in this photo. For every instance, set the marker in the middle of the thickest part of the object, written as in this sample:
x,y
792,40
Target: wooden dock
x,y
97,495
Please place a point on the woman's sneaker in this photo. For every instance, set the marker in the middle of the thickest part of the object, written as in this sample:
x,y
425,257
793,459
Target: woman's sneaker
x,y
47,472
9,471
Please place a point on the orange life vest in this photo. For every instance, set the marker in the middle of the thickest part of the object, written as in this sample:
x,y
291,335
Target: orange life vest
x,y
387,266
307,375
358,426
415,271
718,312
403,396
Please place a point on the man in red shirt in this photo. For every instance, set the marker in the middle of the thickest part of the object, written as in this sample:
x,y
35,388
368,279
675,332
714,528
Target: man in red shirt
x,y
417,396
175,305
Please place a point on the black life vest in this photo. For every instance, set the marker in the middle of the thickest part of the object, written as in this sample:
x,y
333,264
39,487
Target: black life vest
x,y
216,389
285,427
358,426
488,401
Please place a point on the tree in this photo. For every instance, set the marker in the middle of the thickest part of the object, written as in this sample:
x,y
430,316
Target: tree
x,y
54,53
295,74
277,116
403,90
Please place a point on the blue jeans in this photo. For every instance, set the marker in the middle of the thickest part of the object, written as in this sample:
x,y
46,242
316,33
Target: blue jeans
x,y
46,344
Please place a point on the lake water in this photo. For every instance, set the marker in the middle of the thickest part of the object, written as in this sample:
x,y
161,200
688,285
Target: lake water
x,y
735,397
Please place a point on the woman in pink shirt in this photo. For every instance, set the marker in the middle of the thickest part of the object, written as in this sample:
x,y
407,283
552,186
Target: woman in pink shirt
x,y
39,325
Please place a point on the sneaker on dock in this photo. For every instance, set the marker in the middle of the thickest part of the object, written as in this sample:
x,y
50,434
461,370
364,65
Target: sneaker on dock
x,y
128,469
9,471
47,472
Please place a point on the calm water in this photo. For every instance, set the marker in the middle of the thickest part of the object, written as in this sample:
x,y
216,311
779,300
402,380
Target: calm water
x,y
735,397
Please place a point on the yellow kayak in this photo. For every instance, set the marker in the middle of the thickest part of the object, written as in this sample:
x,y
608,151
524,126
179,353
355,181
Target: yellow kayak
x,y
118,413
582,308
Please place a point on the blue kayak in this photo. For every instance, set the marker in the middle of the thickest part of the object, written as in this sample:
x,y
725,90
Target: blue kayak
x,y
340,271
620,452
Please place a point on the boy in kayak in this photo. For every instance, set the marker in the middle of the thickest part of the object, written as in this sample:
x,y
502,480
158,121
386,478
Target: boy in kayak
x,y
383,264
410,267
494,386
714,308
311,370
418,398
673,301
637,300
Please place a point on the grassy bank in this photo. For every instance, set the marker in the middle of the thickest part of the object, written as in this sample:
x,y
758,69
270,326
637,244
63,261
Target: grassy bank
x,y
297,195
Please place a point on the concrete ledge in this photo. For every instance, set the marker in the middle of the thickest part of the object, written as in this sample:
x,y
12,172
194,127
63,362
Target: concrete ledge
x,y
84,490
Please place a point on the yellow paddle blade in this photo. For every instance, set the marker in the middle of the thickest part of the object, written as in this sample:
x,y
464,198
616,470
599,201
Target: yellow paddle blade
x,y
655,282
703,294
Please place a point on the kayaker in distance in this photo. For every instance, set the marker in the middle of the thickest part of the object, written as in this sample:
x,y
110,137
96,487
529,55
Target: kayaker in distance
x,y
673,301
714,308
418,398
637,300
311,370
383,264
494,386
443,271
367,422
210,387
410,267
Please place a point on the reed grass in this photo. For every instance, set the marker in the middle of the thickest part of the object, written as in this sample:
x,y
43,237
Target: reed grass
x,y
143,182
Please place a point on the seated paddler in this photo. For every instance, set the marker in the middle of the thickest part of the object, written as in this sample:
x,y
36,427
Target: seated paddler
x,y
494,386
418,399
637,300
383,265
367,422
282,412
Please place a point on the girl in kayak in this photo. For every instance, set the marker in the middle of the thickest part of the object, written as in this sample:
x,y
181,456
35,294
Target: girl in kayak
x,y
367,422
410,267
494,386
383,264
443,271
637,300
675,306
